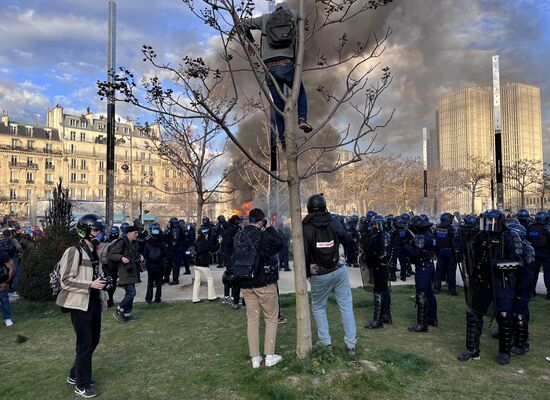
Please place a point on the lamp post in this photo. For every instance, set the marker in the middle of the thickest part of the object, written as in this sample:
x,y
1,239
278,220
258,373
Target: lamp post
x,y
128,170
150,182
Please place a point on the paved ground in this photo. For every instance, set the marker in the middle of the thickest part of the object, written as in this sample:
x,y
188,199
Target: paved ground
x,y
184,290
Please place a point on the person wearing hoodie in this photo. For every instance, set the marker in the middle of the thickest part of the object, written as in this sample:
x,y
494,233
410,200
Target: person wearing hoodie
x,y
278,54
154,253
202,265
326,271
260,290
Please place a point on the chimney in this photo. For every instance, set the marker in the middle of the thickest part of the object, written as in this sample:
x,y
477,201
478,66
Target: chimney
x,y
89,117
5,118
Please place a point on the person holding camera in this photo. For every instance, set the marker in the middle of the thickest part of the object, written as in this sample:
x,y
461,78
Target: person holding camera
x,y
7,274
201,263
81,294
253,247
125,255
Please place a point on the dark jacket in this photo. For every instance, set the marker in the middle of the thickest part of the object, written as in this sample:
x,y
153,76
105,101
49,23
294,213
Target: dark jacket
x,y
267,243
320,219
127,273
227,245
202,251
150,252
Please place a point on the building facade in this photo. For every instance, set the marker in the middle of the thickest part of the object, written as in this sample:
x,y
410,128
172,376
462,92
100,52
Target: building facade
x,y
466,131
73,148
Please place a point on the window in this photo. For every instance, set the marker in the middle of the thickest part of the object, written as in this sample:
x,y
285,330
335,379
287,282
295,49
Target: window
x,y
30,144
28,130
72,149
82,193
174,173
48,178
14,160
30,161
142,156
100,127
13,129
28,194
126,130
48,134
13,194
143,169
73,135
14,176
49,164
102,165
30,177
73,162
167,173
49,148
101,179
101,195
166,186
83,164
82,137
15,143
73,177
151,170
72,122
83,178
83,123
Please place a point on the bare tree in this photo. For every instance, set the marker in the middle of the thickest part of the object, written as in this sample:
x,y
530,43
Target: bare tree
x,y
542,187
475,179
522,176
192,94
403,180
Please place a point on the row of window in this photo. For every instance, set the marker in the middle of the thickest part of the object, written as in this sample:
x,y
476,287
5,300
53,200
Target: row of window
x,y
76,194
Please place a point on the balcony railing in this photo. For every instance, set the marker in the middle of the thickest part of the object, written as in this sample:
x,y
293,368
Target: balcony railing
x,y
15,164
14,180
48,182
30,181
50,167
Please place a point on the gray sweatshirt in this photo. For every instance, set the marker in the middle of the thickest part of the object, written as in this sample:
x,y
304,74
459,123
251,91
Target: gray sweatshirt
x,y
267,51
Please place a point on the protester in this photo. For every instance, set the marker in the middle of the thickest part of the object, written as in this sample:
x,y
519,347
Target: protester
x,y
328,274
128,260
81,295
202,266
253,247
7,273
154,254
278,54
232,288
12,246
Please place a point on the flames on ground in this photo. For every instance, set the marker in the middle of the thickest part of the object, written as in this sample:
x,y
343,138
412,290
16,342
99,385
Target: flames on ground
x,y
243,210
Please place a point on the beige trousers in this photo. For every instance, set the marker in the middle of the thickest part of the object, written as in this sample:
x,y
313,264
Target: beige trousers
x,y
266,300
199,271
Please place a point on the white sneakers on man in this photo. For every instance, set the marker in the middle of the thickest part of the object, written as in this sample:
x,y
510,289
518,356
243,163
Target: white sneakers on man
x,y
8,322
257,361
272,359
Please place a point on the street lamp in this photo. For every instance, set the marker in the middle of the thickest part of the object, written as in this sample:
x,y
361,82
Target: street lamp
x,y
146,177
127,170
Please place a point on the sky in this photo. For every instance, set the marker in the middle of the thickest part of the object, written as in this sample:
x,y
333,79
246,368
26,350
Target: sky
x,y
53,52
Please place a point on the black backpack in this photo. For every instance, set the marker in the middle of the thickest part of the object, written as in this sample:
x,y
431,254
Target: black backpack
x,y
280,28
327,247
246,260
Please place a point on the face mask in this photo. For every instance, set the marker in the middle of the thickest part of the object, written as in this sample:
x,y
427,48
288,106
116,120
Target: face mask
x,y
100,236
155,232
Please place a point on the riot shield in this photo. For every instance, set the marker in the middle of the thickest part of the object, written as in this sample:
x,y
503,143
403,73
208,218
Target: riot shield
x,y
366,275
476,273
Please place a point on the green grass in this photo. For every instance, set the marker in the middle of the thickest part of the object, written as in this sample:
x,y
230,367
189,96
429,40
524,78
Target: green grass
x,y
187,351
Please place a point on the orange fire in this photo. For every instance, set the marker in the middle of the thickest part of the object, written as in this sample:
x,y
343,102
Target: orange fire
x,y
243,210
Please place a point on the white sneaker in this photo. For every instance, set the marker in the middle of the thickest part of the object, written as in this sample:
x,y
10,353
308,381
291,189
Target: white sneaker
x,y
272,359
8,322
548,358
257,361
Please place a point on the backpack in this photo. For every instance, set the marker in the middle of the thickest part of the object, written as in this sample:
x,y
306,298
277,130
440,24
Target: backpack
x,y
246,260
55,275
7,245
104,254
327,247
280,28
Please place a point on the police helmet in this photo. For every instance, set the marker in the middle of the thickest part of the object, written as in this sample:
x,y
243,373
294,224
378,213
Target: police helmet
x,y
522,214
138,224
317,202
378,221
405,217
398,222
470,221
370,215
155,229
205,221
88,222
389,218
173,222
420,222
541,217
492,221
221,219
124,227
446,219
114,232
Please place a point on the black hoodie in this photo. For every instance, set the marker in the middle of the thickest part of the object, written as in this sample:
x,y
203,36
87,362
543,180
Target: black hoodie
x,y
321,219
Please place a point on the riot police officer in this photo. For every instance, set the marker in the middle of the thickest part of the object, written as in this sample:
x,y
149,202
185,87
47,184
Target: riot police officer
x,y
353,233
175,251
448,253
523,218
492,257
401,236
218,233
375,242
539,236
421,251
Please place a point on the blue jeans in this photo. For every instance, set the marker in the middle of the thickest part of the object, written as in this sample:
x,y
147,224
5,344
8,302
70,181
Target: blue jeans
x,y
337,283
284,76
128,301
5,302
13,285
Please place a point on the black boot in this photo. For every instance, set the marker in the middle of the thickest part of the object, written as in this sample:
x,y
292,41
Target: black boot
x,y
377,318
472,338
437,286
421,314
386,312
521,335
505,325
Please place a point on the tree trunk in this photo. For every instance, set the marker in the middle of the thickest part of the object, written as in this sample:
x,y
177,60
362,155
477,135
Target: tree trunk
x,y
522,199
200,205
473,202
303,317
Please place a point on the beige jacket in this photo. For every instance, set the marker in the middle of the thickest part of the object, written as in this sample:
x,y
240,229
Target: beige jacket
x,y
76,279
